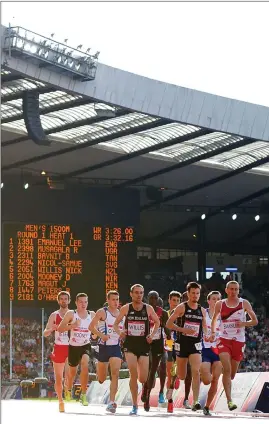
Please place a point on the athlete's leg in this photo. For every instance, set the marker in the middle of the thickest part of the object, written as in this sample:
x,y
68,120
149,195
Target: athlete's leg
x,y
102,371
72,372
115,364
143,368
216,372
188,381
84,373
58,373
162,372
66,371
234,368
169,365
182,368
131,360
195,363
227,370
205,372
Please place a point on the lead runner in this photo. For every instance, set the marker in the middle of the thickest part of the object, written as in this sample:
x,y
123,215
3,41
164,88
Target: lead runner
x,y
61,342
232,312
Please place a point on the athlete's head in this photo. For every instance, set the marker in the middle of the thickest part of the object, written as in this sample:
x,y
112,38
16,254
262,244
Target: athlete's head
x,y
194,291
212,298
185,297
137,293
153,298
174,299
82,301
232,289
160,302
63,299
113,299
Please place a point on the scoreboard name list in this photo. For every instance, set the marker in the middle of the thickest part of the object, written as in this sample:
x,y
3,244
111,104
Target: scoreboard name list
x,y
45,259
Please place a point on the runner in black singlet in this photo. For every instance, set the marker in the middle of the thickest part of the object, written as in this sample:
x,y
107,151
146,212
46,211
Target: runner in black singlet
x,y
190,318
156,347
137,337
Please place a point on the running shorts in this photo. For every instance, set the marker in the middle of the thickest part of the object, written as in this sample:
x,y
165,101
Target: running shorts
x,y
75,354
208,355
107,352
59,354
233,347
184,350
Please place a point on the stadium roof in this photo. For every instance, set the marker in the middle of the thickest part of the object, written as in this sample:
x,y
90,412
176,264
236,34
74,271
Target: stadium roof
x,y
97,127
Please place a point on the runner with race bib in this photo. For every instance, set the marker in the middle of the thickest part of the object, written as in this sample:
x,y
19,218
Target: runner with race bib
x,y
190,318
156,347
138,337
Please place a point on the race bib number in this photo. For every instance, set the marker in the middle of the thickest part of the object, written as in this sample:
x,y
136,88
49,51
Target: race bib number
x,y
198,346
157,335
136,328
194,326
177,347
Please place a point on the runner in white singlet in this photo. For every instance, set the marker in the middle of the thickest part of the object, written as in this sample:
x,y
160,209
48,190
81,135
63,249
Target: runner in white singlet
x,y
232,312
61,342
78,322
109,345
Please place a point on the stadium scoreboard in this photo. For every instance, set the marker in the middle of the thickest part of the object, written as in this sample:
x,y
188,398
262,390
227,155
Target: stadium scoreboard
x,y
42,259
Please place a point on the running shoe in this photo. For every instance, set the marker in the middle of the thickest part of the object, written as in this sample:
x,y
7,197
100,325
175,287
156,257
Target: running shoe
x,y
61,407
68,395
170,407
232,406
186,404
161,398
146,405
206,411
177,382
196,406
83,399
111,407
134,410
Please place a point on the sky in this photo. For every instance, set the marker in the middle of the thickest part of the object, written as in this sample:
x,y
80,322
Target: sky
x,y
219,48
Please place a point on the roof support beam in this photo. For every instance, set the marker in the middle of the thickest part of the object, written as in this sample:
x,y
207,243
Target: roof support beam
x,y
53,108
89,143
137,153
187,162
252,233
193,221
10,77
226,176
69,126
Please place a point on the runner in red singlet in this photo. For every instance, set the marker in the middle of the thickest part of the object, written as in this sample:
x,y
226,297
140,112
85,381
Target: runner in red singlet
x,y
60,350
232,312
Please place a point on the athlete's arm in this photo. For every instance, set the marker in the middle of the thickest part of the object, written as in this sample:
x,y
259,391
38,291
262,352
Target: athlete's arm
x,y
154,317
178,312
51,326
204,322
123,312
214,320
253,318
99,316
165,319
65,324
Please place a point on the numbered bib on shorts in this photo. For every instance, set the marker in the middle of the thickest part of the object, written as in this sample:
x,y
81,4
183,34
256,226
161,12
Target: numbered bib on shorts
x,y
177,347
136,328
198,346
193,326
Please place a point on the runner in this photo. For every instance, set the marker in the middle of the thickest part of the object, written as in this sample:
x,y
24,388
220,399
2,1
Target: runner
x,y
156,347
61,341
190,317
232,312
77,322
137,338
109,346
162,366
188,379
211,367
